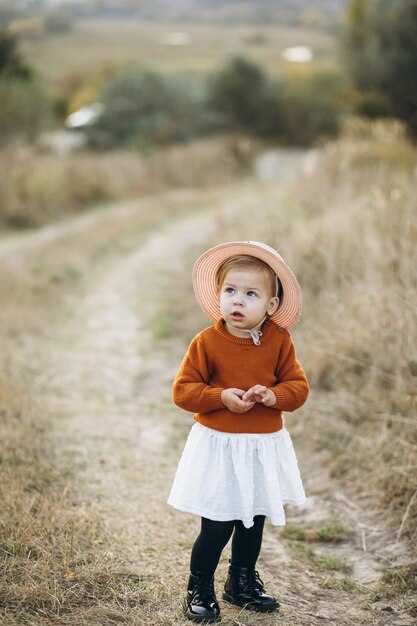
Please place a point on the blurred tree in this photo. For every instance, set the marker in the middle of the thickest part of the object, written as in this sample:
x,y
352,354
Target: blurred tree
x,y
381,53
58,22
295,110
355,41
237,92
23,104
394,56
372,104
24,110
7,13
311,107
142,108
11,62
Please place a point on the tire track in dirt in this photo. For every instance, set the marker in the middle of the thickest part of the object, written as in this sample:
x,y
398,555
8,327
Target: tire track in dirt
x,y
111,374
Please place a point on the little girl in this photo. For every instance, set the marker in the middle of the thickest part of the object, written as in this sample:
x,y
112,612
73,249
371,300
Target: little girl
x,y
238,465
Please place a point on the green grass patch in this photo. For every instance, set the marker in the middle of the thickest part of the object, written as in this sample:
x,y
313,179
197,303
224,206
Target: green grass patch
x,y
293,533
302,550
332,562
299,542
320,563
341,584
329,533
66,274
332,533
396,581
162,327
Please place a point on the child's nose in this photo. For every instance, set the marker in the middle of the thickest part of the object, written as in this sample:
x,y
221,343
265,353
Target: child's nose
x,y
237,299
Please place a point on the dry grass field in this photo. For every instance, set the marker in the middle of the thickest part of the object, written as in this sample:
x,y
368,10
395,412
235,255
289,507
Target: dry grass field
x,y
97,44
351,236
97,311
39,187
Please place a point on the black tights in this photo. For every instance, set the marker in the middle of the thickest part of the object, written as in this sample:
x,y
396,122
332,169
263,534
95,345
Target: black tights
x,y
246,544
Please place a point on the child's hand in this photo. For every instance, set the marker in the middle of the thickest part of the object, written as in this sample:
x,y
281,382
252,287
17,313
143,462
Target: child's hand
x,y
259,393
233,400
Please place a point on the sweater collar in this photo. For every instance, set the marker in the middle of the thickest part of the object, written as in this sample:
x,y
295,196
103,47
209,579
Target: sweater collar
x,y
221,329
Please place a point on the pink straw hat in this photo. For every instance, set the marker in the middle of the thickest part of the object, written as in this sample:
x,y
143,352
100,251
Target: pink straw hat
x,y
204,279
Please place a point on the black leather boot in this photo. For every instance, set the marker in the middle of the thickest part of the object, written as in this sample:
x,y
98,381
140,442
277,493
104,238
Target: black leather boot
x,y
244,588
201,605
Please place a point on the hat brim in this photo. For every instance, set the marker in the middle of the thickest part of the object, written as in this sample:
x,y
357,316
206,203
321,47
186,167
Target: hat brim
x,y
206,267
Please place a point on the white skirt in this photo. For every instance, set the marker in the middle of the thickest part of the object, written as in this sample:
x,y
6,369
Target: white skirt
x,y
235,476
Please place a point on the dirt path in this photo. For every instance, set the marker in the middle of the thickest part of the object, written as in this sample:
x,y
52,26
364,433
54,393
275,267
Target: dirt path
x,y
108,385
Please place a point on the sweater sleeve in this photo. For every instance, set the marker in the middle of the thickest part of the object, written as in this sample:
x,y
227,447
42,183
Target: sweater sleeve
x,y
292,389
191,388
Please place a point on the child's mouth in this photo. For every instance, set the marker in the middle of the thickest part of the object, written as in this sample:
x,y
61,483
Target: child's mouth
x,y
237,316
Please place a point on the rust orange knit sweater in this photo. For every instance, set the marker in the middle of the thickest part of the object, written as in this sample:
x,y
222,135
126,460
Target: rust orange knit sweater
x,y
217,360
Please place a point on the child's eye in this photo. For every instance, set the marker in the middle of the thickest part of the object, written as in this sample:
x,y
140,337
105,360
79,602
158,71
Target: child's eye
x,y
251,293
229,290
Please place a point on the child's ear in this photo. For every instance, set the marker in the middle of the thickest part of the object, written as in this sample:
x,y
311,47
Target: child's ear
x,y
273,305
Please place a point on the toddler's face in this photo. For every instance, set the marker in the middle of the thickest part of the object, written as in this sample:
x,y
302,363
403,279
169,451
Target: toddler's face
x,y
245,298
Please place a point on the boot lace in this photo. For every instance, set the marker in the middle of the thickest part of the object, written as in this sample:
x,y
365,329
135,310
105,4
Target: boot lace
x,y
204,589
253,582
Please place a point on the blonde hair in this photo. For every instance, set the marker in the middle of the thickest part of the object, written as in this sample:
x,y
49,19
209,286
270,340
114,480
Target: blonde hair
x,y
247,262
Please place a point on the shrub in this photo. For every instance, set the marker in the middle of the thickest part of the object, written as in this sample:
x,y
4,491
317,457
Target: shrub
x,y
372,104
23,103
311,107
237,93
143,108
11,63
380,46
58,22
24,110
294,111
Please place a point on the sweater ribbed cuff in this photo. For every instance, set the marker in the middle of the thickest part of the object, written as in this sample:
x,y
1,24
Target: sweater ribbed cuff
x,y
281,402
214,398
